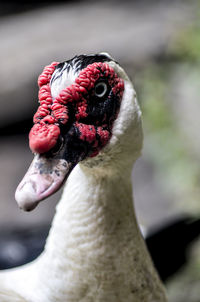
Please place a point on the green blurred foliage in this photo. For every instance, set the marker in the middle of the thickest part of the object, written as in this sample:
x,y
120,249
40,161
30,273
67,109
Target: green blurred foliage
x,y
165,143
176,163
186,46
177,169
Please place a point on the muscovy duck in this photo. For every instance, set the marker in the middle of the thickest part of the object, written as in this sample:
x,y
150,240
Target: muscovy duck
x,y
87,132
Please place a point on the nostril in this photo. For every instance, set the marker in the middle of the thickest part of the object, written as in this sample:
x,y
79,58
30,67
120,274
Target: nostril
x,y
49,119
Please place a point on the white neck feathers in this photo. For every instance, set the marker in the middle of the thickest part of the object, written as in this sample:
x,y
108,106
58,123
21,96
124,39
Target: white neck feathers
x,y
94,251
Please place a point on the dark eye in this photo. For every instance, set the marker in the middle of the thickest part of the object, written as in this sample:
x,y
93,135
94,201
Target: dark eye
x,y
101,89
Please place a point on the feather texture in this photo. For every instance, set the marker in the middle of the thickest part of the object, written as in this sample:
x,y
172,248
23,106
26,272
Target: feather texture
x,y
95,251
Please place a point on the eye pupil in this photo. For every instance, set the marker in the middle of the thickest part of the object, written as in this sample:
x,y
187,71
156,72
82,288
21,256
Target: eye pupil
x,y
100,89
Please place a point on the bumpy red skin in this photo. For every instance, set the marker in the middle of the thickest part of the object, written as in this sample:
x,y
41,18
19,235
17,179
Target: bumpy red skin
x,y
53,112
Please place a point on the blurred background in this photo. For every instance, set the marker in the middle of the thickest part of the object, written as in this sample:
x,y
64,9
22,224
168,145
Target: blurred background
x,y
158,44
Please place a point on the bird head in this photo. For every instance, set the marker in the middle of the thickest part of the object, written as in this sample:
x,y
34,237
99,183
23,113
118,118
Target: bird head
x,y
87,111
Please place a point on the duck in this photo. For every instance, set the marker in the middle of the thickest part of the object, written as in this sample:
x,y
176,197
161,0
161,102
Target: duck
x,y
86,136
21,246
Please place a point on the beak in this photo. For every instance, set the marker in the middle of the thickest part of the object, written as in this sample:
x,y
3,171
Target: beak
x,y
43,178
48,171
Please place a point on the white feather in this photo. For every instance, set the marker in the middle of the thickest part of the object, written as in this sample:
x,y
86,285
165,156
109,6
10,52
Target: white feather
x,y
94,251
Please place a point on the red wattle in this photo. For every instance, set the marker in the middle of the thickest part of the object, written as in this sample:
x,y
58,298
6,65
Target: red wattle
x,y
43,137
52,113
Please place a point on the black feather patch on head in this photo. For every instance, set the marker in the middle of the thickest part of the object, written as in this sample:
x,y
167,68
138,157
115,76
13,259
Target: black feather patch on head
x,y
78,63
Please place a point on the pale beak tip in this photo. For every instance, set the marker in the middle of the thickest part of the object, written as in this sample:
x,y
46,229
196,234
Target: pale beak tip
x,y
40,183
26,197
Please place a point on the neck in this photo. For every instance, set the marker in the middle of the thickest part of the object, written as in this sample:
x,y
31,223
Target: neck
x,y
95,241
92,209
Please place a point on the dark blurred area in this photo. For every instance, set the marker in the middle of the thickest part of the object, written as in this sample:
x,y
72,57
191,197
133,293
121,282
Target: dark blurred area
x,y
158,44
13,7
166,242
